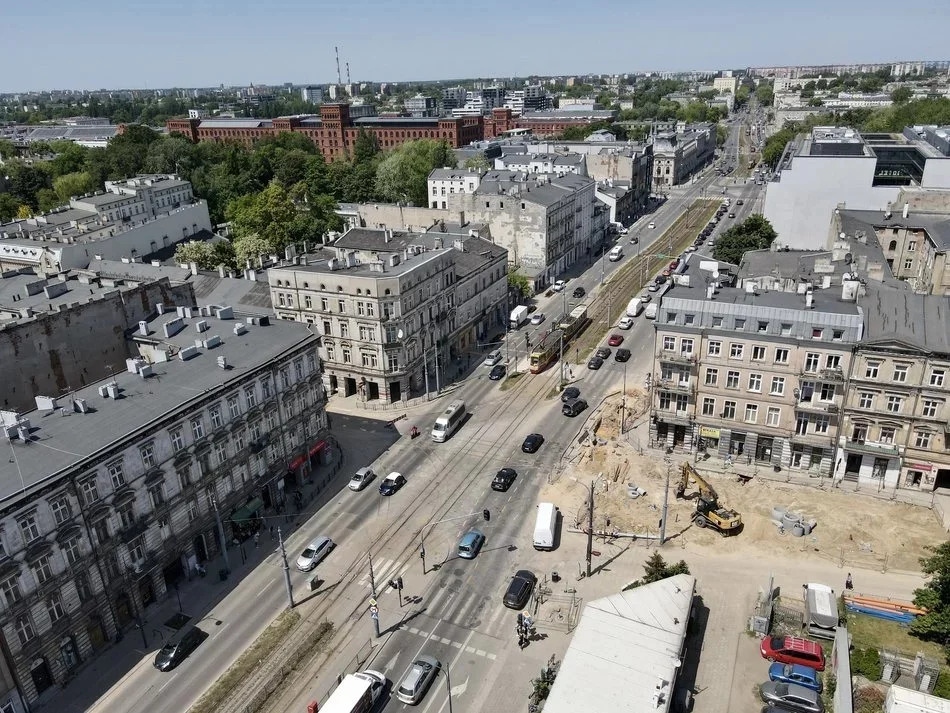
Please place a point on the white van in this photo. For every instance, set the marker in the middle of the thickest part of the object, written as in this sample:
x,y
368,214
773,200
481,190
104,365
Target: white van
x,y
545,527
634,307
616,252
448,421
821,611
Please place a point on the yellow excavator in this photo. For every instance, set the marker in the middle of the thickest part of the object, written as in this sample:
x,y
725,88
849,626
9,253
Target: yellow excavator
x,y
708,512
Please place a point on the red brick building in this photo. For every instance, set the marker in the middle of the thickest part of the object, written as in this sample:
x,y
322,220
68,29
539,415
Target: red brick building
x,y
333,131
542,123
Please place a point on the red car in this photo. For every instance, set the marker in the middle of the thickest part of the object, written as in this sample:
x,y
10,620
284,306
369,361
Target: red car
x,y
791,649
674,264
615,340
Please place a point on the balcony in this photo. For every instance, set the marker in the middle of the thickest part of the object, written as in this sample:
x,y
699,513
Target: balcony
x,y
885,450
680,387
817,406
672,415
828,375
821,440
673,357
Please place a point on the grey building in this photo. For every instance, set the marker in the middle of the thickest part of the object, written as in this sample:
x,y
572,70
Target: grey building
x,y
677,156
421,106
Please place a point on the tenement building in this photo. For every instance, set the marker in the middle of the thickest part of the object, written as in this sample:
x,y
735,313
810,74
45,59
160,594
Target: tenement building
x,y
397,311
752,375
110,493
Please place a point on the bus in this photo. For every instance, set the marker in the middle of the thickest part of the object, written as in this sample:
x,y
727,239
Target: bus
x,y
357,693
449,421
546,351
573,323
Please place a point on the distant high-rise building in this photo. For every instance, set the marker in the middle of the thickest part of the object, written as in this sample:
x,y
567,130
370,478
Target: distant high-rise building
x,y
421,106
312,94
452,98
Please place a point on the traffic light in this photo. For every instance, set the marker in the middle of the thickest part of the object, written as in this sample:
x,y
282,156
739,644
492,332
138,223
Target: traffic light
x,y
393,584
399,583
486,514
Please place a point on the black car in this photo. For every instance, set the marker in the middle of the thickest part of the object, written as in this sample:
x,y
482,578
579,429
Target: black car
x,y
391,483
660,279
519,591
172,654
532,443
571,392
595,363
739,202
622,355
573,407
497,372
578,292
603,353
503,479
732,215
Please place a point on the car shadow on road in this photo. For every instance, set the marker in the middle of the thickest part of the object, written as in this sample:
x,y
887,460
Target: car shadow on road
x,y
695,635
402,622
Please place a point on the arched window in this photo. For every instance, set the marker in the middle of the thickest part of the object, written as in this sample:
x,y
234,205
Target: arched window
x,y
892,245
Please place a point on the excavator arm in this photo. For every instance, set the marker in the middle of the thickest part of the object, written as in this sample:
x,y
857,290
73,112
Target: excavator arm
x,y
706,490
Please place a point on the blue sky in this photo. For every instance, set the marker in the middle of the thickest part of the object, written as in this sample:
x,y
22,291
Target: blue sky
x,y
118,43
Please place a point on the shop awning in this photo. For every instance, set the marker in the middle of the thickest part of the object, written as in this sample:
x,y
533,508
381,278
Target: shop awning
x,y
297,462
248,511
317,447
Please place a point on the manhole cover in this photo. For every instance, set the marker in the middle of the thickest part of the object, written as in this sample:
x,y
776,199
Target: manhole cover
x,y
177,621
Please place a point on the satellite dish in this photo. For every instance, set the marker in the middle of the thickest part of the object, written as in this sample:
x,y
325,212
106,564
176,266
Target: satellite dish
x,y
399,334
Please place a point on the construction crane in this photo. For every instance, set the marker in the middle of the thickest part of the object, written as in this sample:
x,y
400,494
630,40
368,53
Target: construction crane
x,y
708,513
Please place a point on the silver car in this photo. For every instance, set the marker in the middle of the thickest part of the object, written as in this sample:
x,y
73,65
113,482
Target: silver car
x,y
314,552
418,679
791,697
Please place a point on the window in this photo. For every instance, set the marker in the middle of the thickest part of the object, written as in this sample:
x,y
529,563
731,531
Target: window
x,y
24,630
669,344
308,302
265,388
827,392
894,403
709,407
821,424
240,438
755,382
712,377
340,306
89,491
816,332
10,587
686,346
729,409
713,348
347,358
922,439
137,549
251,396
911,246
751,413
324,305
689,318
216,421
234,407
736,351
786,329
887,434
127,514
833,361
758,353
156,494
298,369
871,369
220,451
773,417
740,323
29,528
837,335
811,362
763,326
116,474
61,510
936,377
900,372
197,428
670,317
732,379
369,360
781,356
717,322
42,570
54,605
272,420
178,440
367,334
82,587
360,309
148,455
865,399
72,550
192,509
778,386
930,408
392,361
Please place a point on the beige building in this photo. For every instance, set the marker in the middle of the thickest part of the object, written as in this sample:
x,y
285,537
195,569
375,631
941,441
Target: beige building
x,y
397,310
677,156
726,84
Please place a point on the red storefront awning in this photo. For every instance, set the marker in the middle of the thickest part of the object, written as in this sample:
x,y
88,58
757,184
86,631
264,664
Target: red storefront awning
x,y
317,447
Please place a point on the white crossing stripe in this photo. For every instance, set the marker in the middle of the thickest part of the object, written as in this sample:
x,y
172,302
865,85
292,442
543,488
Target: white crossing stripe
x,y
454,644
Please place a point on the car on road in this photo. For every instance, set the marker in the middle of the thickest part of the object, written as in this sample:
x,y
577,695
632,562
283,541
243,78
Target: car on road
x,y
692,248
173,653
532,443
571,392
654,287
623,231
660,279
391,483
646,298
578,292
792,649
537,318
674,264
666,272
634,240
471,544
519,591
313,553
732,215
417,680
361,478
603,352
794,673
558,285
791,697
615,340
625,322
573,407
503,479
739,202
622,355
493,358
652,225
595,363
497,372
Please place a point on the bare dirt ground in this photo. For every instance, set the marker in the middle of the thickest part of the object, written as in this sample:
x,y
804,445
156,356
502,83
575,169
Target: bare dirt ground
x,y
851,528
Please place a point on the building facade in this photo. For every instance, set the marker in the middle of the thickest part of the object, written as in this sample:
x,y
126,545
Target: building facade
x,y
677,156
108,521
421,106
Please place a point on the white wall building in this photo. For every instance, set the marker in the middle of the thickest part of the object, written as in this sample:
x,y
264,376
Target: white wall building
x,y
443,182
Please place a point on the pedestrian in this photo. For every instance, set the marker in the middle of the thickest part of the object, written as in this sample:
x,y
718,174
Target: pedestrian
x,y
848,584
257,538
272,532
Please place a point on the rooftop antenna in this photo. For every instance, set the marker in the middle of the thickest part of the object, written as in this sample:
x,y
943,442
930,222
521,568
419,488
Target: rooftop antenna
x,y
336,51
347,72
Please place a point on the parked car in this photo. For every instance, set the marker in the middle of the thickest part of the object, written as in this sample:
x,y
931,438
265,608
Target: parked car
x,y
595,363
603,352
615,340
493,358
789,696
571,392
634,240
361,478
660,279
573,407
417,680
732,215
674,264
654,287
313,553
739,202
646,297
652,225
578,293
558,285
173,653
497,372
792,649
471,544
391,483
625,322
622,355
519,591
794,673
532,443
503,479
537,318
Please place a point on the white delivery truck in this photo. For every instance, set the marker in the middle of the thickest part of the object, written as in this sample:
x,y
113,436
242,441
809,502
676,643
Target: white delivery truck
x,y
651,310
634,307
519,315
616,253
545,527
357,693
821,611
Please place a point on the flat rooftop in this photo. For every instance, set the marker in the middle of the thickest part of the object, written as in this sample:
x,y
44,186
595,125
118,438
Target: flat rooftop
x,y
61,441
936,225
896,314
24,294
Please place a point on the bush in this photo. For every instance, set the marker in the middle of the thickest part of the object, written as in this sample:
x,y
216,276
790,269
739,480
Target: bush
x,y
869,700
942,687
867,663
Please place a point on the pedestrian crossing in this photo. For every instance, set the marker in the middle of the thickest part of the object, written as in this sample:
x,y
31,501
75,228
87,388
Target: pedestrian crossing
x,y
454,644
383,571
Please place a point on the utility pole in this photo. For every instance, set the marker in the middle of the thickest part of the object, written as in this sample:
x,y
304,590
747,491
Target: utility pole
x,y
666,502
286,567
372,576
623,400
425,367
590,525
561,361
224,544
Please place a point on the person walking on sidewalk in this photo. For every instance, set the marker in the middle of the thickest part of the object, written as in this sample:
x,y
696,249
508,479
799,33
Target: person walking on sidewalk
x,y
848,584
257,538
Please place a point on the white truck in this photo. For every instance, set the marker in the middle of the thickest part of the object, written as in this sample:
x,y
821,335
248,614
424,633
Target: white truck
x,y
651,310
634,307
357,693
519,315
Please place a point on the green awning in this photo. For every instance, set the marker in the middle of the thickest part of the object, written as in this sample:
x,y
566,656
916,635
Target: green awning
x,y
247,512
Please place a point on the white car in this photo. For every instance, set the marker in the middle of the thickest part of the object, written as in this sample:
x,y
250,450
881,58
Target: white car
x,y
314,552
623,231
493,358
652,225
537,318
625,323
559,285
361,478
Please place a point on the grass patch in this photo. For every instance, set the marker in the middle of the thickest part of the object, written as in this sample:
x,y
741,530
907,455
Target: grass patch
x,y
510,380
265,645
871,632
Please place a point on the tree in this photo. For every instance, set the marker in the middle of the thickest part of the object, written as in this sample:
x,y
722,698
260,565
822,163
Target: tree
x,y
8,207
722,134
195,251
934,596
519,282
26,181
402,174
73,184
69,158
808,90
172,154
754,233
7,149
366,147
250,247
291,166
821,84
656,568
270,214
46,200
479,163
763,93
742,96
902,95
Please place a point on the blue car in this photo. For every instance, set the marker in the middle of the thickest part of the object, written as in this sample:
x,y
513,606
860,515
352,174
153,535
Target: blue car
x,y
793,673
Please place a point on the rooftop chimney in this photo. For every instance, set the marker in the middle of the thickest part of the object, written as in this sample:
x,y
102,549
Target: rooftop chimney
x,y
809,299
